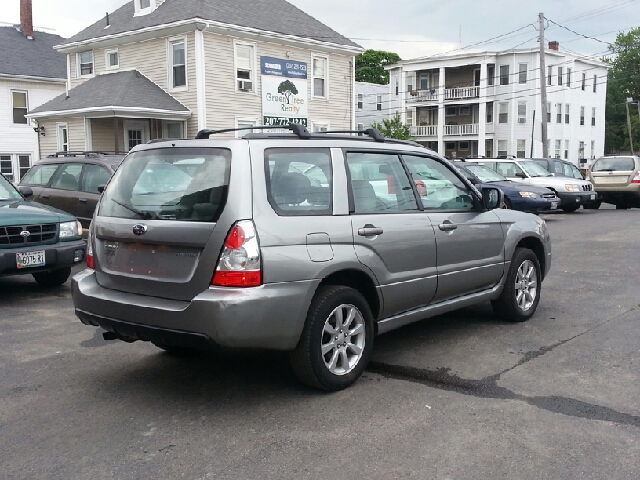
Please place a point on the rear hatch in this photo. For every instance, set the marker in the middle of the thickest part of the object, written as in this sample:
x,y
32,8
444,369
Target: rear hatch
x,y
613,172
162,221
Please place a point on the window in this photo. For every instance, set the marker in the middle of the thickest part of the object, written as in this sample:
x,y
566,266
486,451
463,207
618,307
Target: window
x,y
558,148
410,118
145,4
424,81
173,130
438,188
491,73
397,87
568,77
502,148
63,137
584,81
410,79
566,113
40,175
521,148
503,112
379,103
558,113
178,64
522,73
451,111
68,177
319,74
244,123
360,101
595,83
560,73
581,115
490,112
299,180
593,117
6,167
549,112
143,7
24,164
320,126
464,146
245,69
20,108
134,137
504,74
566,149
581,150
85,63
112,60
522,112
465,110
93,177
593,149
550,75
450,146
379,184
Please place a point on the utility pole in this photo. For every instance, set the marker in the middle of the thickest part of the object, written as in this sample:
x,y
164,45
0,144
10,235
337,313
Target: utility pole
x,y
629,100
543,89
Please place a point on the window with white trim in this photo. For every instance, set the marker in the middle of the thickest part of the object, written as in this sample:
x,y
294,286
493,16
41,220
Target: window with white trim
x,y
24,164
503,112
568,77
521,148
558,148
173,130
491,73
584,81
566,113
558,113
20,107
451,111
319,75
245,67
463,146
62,134
566,149
360,101
581,115
560,76
245,123
550,75
593,117
320,126
410,118
465,110
489,112
144,7
522,73
379,103
593,149
504,74
522,112
178,63
112,59
85,63
595,83
502,148
6,166
549,112
581,150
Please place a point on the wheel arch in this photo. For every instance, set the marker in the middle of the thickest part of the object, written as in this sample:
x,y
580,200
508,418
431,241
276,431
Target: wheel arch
x,y
535,245
359,281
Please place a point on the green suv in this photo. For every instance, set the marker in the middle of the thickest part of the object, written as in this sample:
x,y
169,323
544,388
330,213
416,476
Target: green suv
x,y
36,239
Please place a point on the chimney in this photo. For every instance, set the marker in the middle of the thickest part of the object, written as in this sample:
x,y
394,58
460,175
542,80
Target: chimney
x,y
554,46
26,18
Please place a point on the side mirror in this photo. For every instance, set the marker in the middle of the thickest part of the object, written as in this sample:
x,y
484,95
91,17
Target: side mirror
x,y
521,175
26,191
101,188
492,198
472,180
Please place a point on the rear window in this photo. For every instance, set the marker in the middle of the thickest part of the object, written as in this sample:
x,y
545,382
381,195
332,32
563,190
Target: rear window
x,y
614,164
39,175
155,185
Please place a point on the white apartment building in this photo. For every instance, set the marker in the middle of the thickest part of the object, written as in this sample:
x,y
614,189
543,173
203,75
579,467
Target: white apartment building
x,y
372,104
489,103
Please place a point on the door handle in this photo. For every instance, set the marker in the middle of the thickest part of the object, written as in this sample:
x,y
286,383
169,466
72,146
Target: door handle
x,y
447,226
370,231
83,200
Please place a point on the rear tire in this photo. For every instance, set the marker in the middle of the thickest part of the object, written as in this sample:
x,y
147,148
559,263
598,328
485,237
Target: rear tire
x,y
337,339
53,279
521,293
571,209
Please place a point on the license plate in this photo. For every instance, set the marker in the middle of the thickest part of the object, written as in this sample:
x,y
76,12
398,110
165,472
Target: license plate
x,y
30,259
554,205
593,197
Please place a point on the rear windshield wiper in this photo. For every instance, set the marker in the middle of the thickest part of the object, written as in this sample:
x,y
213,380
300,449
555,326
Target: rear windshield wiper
x,y
144,215
605,170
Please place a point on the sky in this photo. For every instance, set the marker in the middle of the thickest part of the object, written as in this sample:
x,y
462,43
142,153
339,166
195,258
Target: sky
x,y
411,28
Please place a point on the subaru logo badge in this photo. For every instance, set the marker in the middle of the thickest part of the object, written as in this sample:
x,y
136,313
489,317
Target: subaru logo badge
x,y
139,229
25,234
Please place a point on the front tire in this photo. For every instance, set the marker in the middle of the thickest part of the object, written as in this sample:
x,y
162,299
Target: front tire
x,y
521,293
53,279
337,339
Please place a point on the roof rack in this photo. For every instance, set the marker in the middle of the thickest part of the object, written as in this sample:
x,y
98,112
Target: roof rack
x,y
87,153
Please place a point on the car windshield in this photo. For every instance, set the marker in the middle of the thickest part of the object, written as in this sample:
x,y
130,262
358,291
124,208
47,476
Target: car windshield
x,y
484,174
187,184
7,191
576,173
614,164
533,169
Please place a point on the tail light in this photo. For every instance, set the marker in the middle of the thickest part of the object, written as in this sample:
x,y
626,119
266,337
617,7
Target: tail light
x,y
90,260
240,264
636,178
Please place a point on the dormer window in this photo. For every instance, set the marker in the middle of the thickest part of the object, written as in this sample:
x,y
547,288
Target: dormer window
x,y
144,7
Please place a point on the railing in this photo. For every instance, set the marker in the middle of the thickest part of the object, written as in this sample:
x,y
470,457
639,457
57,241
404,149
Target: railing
x,y
467,129
423,95
461,92
424,131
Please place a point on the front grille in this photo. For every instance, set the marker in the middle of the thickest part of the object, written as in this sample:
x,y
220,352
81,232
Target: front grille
x,y
548,195
17,234
587,188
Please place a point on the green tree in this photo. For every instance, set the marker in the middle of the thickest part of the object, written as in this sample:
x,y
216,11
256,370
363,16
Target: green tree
x,y
394,128
370,66
287,88
623,83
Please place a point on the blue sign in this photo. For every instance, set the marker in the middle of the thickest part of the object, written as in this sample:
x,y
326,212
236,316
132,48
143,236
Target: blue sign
x,y
283,68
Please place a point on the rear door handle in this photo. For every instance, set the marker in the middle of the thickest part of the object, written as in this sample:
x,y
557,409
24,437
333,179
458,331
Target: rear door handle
x,y
447,226
370,231
83,200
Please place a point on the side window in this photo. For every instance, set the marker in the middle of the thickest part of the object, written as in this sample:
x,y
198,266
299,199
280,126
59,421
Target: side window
x,y
39,175
299,180
508,169
94,176
558,168
379,184
68,177
439,188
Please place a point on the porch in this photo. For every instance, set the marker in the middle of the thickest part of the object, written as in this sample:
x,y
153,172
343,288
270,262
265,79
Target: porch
x,y
460,83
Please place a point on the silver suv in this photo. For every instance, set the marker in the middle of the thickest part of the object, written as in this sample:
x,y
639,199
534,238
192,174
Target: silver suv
x,y
308,243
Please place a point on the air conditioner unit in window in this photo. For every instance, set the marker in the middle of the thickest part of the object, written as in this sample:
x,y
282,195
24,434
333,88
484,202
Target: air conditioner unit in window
x,y
522,120
245,85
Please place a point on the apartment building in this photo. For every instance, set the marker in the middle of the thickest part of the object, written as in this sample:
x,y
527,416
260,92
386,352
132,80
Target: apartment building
x,y
372,104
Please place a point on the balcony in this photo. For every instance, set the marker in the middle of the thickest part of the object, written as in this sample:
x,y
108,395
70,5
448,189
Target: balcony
x,y
468,129
416,96
461,93
424,131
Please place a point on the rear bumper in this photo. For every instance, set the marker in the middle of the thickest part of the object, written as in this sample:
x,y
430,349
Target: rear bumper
x,y
268,317
626,196
58,255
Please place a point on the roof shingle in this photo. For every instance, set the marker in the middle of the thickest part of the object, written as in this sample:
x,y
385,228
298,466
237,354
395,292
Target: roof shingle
x,y
33,58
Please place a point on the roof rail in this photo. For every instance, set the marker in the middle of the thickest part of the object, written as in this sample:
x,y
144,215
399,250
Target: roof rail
x,y
79,153
370,132
297,128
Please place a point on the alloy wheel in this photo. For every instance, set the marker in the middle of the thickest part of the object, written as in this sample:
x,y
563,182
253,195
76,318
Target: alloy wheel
x,y
343,339
526,285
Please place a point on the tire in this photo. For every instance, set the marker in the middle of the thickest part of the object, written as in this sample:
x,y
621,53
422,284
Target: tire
x,y
53,279
323,327
571,209
508,306
593,205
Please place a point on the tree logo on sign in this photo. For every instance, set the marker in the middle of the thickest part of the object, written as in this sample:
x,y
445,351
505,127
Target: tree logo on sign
x,y
287,88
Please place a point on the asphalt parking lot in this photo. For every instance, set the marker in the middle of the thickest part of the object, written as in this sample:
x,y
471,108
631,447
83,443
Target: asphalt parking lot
x,y
461,396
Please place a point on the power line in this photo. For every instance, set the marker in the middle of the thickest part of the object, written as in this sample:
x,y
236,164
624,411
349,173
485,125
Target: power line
x,y
579,34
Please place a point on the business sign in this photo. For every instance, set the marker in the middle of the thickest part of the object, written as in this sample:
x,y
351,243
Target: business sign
x,y
279,67
284,92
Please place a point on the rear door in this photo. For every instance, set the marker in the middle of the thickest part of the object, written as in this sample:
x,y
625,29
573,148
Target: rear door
x,y
93,177
62,193
159,230
38,178
392,235
470,241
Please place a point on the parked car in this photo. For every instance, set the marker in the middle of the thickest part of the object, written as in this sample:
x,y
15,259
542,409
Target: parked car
x,y
617,181
559,168
526,198
69,181
572,192
256,253
36,239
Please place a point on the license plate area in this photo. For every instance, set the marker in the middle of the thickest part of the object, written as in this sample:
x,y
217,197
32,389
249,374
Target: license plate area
x,y
30,259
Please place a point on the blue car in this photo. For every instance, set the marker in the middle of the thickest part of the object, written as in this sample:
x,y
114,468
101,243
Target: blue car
x,y
525,198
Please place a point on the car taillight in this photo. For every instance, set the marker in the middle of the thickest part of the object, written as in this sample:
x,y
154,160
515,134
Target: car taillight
x,y
90,261
636,178
240,264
